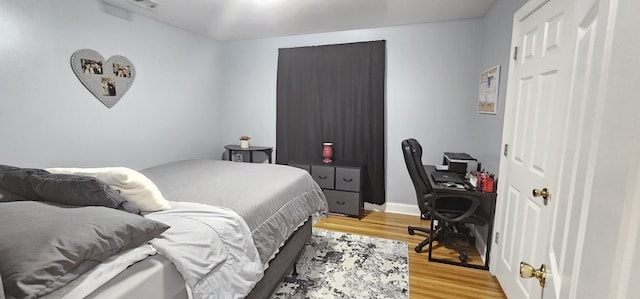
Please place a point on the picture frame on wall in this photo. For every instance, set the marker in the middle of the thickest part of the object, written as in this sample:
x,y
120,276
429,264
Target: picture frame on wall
x,y
488,90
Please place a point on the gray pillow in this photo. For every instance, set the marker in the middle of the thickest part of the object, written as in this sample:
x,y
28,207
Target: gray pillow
x,y
16,180
40,185
45,246
77,190
5,195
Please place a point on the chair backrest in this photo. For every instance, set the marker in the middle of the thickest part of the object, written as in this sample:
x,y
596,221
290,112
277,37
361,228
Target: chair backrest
x,y
454,207
412,151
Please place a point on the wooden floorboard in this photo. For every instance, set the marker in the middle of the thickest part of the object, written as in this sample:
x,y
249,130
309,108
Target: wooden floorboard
x,y
426,279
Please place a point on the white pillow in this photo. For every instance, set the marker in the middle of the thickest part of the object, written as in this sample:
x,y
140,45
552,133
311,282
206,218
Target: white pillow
x,y
133,186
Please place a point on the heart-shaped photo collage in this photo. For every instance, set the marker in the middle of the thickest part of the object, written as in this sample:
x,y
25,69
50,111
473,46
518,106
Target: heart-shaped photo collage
x,y
108,80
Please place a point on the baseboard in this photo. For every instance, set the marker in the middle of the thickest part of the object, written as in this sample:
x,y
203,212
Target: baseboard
x,y
394,207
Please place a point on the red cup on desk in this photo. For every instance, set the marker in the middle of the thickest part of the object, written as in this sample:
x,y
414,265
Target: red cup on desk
x,y
487,185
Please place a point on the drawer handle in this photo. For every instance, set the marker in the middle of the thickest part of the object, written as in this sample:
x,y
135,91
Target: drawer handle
x,y
322,177
341,202
347,180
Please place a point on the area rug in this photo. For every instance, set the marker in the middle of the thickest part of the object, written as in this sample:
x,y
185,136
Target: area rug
x,y
342,265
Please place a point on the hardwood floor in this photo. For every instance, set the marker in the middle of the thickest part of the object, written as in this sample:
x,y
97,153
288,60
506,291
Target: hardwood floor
x,y
426,279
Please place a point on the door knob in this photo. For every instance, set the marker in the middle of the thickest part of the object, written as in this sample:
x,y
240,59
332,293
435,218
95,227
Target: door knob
x,y
544,193
527,271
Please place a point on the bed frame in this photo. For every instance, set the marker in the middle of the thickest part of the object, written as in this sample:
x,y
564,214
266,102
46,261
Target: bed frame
x,y
156,277
283,263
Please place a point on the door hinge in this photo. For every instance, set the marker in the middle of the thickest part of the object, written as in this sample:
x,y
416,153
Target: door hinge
x,y
497,237
506,149
515,53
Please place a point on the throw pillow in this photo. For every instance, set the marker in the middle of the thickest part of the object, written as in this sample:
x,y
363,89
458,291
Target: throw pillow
x,y
133,185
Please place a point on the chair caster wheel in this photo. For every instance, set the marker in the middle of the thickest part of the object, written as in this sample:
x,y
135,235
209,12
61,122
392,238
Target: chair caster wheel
x,y
418,249
463,259
411,232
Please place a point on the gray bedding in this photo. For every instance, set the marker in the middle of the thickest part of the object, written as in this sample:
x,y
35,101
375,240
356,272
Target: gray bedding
x,y
212,249
273,199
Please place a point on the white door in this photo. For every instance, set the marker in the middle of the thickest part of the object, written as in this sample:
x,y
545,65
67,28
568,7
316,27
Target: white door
x,y
570,258
553,122
570,201
538,86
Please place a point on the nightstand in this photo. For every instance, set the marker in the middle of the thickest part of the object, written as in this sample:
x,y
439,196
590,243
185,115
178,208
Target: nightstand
x,y
342,184
236,148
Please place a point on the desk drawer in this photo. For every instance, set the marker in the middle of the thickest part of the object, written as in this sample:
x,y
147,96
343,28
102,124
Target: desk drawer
x,y
343,202
348,179
324,176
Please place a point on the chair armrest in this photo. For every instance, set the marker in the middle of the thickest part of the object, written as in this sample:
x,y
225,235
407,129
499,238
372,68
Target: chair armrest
x,y
461,214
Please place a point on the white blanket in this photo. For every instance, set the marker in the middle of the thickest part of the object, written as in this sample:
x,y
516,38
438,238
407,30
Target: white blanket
x,y
211,247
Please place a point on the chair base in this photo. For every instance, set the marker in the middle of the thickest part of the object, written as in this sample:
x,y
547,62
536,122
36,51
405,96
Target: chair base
x,y
412,229
445,233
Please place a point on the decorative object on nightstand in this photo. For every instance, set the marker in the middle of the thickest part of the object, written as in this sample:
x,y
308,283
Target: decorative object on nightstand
x,y
244,141
327,152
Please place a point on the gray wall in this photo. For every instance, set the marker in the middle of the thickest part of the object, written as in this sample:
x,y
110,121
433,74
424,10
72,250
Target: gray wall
x,y
495,50
432,79
191,95
48,118
431,72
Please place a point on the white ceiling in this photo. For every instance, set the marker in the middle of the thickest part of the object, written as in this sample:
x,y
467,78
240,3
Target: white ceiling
x,y
223,20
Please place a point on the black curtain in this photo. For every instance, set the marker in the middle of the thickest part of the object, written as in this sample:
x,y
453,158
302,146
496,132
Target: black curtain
x,y
334,93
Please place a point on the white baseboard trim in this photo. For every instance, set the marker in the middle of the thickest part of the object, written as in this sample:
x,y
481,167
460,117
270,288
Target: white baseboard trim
x,y
394,207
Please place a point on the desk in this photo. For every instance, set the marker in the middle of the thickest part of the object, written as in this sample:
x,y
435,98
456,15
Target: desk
x,y
488,206
236,148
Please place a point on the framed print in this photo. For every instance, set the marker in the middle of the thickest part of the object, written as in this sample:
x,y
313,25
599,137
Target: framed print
x,y
488,90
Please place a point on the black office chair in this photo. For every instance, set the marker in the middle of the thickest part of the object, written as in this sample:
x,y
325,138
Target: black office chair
x,y
452,209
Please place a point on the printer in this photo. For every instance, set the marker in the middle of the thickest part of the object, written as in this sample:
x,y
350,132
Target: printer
x,y
460,162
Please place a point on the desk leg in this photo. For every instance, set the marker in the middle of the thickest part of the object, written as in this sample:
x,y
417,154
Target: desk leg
x,y
431,235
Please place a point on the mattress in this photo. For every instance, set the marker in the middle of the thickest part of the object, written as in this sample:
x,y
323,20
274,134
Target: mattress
x,y
101,274
155,277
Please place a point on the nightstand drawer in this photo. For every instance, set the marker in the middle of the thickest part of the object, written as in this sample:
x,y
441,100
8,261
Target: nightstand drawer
x,y
348,179
343,202
302,166
324,176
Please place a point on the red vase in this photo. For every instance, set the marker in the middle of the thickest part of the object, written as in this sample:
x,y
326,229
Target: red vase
x,y
327,152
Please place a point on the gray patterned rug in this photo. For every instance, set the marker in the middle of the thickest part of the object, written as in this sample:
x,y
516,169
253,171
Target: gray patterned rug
x,y
341,265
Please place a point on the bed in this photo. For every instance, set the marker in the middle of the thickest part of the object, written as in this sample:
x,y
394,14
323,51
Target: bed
x,y
260,215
